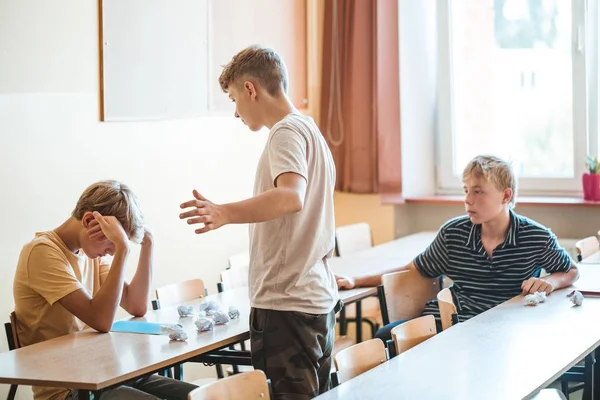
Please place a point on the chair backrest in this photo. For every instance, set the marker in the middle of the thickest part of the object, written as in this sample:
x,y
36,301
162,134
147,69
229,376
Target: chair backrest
x,y
406,293
447,308
10,329
180,292
586,247
239,260
234,278
251,385
410,333
352,238
359,358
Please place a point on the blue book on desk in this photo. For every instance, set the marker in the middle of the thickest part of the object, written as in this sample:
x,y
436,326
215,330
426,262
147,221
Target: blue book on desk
x,y
149,328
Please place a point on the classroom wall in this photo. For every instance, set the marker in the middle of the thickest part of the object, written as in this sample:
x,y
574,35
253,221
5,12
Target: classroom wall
x,y
352,208
52,146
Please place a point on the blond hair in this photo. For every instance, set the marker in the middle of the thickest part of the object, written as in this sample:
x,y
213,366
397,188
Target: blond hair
x,y
494,170
259,63
112,198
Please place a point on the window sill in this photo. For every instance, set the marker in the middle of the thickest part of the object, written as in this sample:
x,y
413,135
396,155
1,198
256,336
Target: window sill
x,y
521,201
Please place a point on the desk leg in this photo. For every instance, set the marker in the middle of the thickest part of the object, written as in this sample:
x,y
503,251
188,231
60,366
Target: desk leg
x,y
358,322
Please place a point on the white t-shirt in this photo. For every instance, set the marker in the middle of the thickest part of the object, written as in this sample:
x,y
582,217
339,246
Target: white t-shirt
x,y
288,256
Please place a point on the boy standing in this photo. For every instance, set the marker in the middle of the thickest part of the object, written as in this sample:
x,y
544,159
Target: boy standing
x,y
293,293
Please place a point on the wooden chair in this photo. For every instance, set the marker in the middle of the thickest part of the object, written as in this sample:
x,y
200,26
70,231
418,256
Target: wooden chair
x,y
413,332
239,260
403,295
13,343
233,278
251,385
174,294
180,293
351,239
586,247
359,358
448,313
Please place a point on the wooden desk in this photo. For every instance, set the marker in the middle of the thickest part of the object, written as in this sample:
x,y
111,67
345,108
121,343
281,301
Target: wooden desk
x,y
509,352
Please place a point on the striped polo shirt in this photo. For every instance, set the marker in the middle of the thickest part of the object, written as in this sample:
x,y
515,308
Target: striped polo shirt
x,y
481,283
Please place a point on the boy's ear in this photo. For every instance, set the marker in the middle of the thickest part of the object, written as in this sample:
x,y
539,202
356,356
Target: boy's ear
x,y
250,88
87,218
508,194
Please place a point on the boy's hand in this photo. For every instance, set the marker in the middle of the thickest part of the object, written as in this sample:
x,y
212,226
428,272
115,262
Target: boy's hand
x,y
111,228
345,282
203,211
533,285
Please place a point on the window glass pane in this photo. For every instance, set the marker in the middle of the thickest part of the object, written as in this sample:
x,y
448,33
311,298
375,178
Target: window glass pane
x,y
512,84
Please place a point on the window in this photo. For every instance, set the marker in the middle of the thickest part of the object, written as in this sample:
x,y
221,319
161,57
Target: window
x,y
515,80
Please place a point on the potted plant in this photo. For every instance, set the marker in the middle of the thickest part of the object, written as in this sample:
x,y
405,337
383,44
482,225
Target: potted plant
x,y
591,180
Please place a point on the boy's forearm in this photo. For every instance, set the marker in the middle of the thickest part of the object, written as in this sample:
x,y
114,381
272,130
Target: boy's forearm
x,y
272,204
137,294
105,303
375,280
561,280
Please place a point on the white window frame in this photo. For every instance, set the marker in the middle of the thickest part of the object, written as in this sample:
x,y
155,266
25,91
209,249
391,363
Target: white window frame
x,y
585,97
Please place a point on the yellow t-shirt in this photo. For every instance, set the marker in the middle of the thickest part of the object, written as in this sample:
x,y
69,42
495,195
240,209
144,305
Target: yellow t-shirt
x,y
46,272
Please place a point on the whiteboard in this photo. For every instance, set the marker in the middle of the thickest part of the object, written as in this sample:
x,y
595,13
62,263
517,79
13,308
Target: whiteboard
x,y
154,62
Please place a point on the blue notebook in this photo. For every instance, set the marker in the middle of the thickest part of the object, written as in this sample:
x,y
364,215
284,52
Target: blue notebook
x,y
149,328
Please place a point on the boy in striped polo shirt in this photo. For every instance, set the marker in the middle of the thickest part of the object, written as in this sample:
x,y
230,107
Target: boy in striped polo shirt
x,y
492,254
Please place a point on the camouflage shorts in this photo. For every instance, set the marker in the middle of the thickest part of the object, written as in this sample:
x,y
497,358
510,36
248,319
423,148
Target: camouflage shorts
x,y
294,350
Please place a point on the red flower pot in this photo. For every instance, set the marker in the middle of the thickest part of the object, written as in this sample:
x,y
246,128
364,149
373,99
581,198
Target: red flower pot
x,y
591,187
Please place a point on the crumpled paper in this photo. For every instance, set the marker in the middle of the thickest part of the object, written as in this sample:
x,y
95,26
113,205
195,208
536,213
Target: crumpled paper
x,y
208,306
204,324
175,332
185,311
220,317
535,298
576,298
233,312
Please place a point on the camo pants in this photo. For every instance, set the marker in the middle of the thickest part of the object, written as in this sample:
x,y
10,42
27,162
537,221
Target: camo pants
x,y
294,350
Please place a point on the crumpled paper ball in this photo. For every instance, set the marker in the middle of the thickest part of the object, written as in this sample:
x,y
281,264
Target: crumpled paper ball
x,y
185,311
204,324
535,298
233,312
208,306
577,298
175,332
220,317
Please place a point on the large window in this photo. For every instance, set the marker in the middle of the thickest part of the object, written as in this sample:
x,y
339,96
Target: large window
x,y
516,79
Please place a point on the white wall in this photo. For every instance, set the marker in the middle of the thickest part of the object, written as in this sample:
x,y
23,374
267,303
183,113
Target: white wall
x,y
52,146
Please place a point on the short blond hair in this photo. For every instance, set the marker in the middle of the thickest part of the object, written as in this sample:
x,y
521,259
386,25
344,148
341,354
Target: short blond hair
x,y
113,198
495,170
259,63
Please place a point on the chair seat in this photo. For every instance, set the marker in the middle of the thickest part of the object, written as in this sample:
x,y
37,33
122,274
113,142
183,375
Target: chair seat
x,y
549,394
